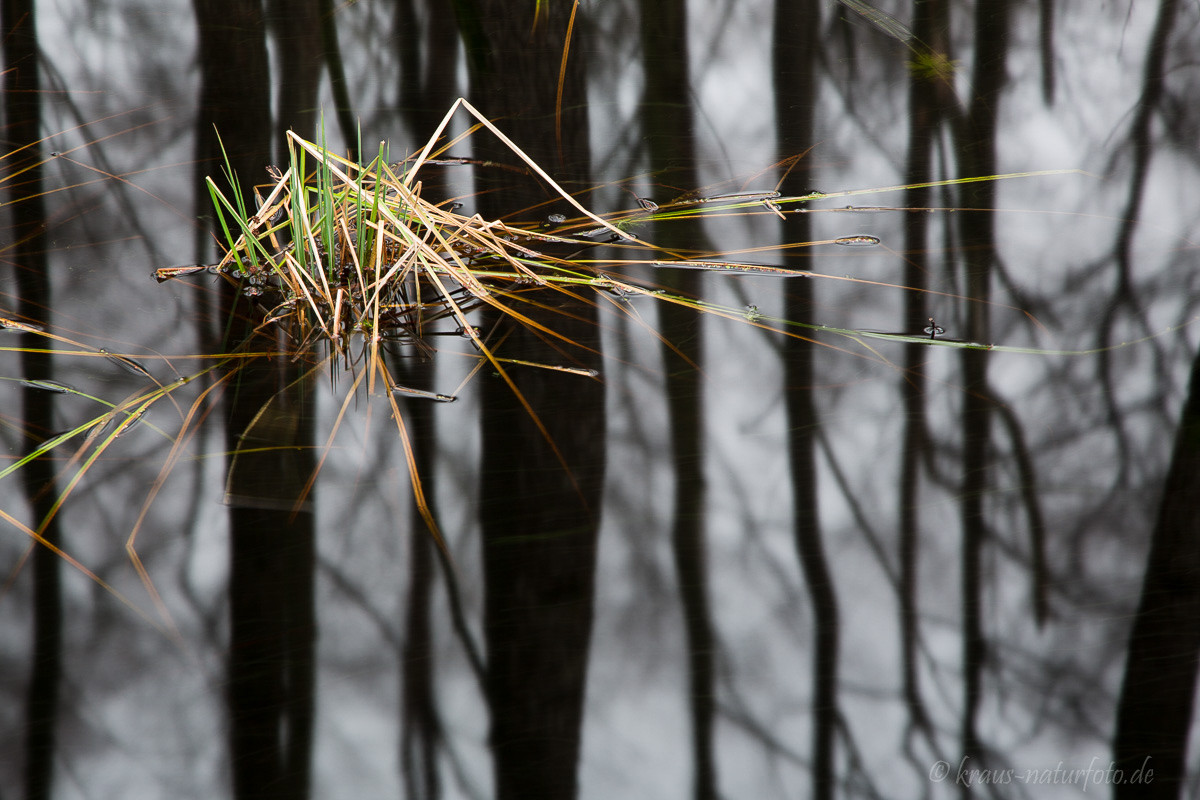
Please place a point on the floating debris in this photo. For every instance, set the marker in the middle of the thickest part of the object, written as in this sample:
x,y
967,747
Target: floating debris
x,y
774,208
861,240
423,394
617,290
584,371
735,268
50,386
734,197
135,419
164,274
129,365
14,325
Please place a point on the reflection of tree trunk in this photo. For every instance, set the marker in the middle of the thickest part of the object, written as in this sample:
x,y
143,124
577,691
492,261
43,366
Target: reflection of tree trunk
x,y
977,156
1124,294
425,95
1046,48
22,115
796,49
539,560
930,23
539,502
421,727
1155,709
1140,146
272,559
331,54
272,617
670,136
300,49
296,25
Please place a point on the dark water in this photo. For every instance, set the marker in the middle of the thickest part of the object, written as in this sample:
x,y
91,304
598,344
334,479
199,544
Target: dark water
x,y
829,566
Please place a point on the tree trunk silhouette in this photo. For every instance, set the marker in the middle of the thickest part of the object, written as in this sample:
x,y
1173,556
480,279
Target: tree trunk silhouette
x,y
428,88
297,29
539,502
977,156
421,727
1154,712
926,113
1125,296
796,57
1046,49
300,48
331,51
669,132
272,616
28,254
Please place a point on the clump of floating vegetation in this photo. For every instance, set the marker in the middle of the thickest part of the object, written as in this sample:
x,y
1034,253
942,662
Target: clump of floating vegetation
x,y
345,252
352,255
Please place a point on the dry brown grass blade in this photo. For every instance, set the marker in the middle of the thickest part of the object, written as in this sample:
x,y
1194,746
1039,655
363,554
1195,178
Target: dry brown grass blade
x,y
40,539
311,483
186,433
562,77
503,373
510,144
414,477
140,402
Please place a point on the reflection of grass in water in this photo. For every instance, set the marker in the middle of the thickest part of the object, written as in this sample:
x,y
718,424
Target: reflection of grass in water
x,y
925,62
353,259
